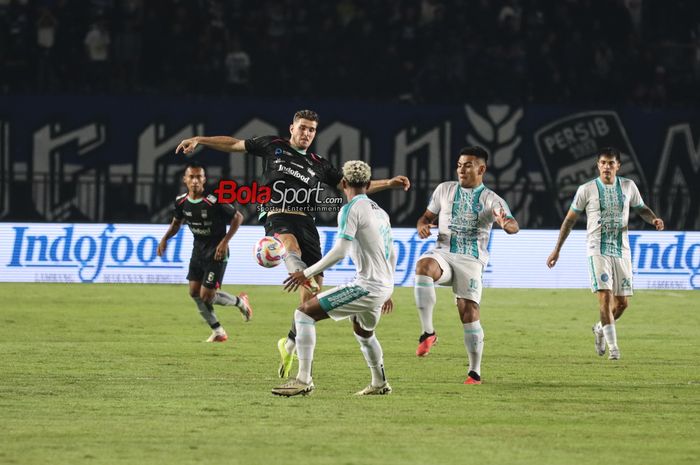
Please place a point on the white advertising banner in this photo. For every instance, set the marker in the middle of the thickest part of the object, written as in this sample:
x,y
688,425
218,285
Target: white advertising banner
x,y
126,253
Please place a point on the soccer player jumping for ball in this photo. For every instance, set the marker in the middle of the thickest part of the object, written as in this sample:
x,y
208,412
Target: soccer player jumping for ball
x,y
465,211
290,165
364,231
607,201
207,220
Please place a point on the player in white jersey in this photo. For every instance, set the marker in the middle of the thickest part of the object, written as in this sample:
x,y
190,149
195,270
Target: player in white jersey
x,y
607,201
364,232
465,210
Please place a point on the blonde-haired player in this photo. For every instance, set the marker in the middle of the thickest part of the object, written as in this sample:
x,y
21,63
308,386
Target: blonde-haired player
x,y
364,232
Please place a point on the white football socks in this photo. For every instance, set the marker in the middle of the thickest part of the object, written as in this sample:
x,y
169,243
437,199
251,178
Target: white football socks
x,y
610,335
306,342
424,293
474,343
374,356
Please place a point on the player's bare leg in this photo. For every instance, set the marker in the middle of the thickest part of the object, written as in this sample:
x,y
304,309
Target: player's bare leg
x,y
621,303
606,302
427,272
473,337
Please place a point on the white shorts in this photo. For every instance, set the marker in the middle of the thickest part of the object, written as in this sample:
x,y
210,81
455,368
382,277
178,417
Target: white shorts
x,y
356,301
461,272
610,274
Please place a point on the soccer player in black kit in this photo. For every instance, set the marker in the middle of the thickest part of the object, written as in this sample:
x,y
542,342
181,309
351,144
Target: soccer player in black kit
x,y
289,165
207,219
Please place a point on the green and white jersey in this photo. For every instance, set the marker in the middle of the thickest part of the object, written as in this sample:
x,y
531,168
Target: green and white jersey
x,y
364,223
465,218
607,210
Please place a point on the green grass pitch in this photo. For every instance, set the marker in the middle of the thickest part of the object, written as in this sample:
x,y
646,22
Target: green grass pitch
x,y
117,374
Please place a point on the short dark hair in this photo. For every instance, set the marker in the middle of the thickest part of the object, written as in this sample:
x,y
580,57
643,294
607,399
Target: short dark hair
x,y
609,152
476,151
306,114
193,164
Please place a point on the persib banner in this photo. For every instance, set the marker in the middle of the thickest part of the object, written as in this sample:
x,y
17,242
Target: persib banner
x,y
126,253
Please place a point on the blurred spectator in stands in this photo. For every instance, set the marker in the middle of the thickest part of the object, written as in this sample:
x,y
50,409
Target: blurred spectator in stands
x,y
45,40
568,51
237,64
97,44
128,23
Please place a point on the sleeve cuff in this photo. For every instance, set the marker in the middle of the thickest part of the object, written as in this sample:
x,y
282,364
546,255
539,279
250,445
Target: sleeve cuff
x,y
576,209
345,236
639,206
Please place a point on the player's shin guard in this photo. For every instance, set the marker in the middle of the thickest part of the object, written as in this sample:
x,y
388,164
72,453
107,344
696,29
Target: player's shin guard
x,y
474,343
374,356
424,292
306,343
207,312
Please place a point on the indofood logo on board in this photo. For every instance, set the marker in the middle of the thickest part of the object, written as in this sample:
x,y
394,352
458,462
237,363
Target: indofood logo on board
x,y
91,253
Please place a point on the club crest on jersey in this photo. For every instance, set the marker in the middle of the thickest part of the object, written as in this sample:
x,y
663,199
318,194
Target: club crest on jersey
x,y
477,208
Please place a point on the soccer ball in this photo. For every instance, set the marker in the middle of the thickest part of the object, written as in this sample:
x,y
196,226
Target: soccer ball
x,y
270,251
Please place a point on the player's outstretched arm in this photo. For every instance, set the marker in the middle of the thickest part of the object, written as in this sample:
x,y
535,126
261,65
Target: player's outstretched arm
x,y
425,222
397,182
566,227
221,143
172,230
340,250
649,216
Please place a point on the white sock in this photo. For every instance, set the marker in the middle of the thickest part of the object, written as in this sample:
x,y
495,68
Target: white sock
x,y
374,356
598,327
306,342
610,336
293,262
474,342
424,292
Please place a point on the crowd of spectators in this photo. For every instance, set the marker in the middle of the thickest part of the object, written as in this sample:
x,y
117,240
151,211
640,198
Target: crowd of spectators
x,y
643,52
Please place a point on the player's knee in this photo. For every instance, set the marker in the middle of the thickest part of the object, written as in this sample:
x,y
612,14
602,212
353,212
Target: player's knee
x,y
360,331
468,310
426,268
194,293
605,297
207,295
